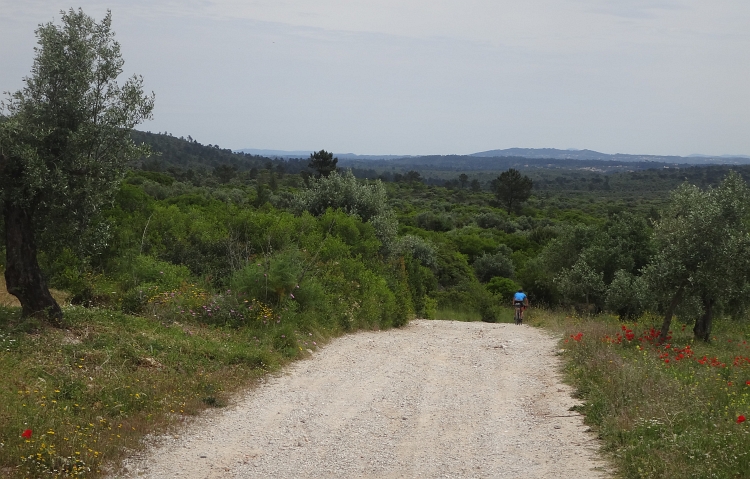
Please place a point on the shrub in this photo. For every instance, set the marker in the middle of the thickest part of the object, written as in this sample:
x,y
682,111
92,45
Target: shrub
x,y
271,278
625,295
368,201
470,295
581,283
148,270
343,191
434,222
473,245
488,266
145,277
503,288
497,221
538,282
418,248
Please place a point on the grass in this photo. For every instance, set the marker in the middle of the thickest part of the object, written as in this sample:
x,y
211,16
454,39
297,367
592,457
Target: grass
x,y
672,410
90,392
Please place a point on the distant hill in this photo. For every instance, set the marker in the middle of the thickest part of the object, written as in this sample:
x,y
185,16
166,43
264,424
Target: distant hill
x,y
500,163
554,153
306,154
188,154
173,152
529,153
275,153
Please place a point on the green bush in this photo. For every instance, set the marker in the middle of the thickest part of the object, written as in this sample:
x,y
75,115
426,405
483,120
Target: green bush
x,y
502,288
471,296
343,191
488,266
434,222
625,295
270,279
146,270
497,221
418,248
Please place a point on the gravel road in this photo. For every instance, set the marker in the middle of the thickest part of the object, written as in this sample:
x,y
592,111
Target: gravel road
x,y
434,399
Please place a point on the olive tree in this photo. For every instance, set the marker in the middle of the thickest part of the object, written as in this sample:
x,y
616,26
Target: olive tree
x,y
581,282
702,251
64,145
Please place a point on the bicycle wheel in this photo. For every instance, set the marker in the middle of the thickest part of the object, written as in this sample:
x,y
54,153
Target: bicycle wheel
x,y
517,317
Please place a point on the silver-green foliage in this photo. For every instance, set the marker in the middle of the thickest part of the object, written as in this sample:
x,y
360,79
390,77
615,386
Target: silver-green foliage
x,y
421,249
368,201
627,295
65,139
580,282
489,266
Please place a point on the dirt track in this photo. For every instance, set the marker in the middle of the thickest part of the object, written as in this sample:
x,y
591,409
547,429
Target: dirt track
x,y
435,399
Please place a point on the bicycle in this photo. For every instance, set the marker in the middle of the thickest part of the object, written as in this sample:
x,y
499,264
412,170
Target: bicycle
x,y
518,318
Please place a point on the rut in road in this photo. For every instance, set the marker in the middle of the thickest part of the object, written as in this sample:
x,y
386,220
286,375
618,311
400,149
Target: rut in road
x,y
433,399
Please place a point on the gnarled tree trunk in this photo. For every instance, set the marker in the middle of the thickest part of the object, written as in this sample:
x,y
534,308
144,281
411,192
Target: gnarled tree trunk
x,y
23,277
702,328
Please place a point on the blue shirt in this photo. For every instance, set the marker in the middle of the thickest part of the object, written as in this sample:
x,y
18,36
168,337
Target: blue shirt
x,y
519,297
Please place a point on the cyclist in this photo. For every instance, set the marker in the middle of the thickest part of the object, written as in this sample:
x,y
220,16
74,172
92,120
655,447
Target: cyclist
x,y
521,302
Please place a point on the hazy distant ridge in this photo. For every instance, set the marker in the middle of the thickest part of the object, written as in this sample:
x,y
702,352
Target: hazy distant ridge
x,y
556,154
532,153
305,154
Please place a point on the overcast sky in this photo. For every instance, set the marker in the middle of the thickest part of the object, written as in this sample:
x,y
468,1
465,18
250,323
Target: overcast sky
x,y
429,76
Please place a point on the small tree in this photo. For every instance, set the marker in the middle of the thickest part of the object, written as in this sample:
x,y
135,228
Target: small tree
x,y
64,145
626,295
581,281
512,188
225,173
413,176
463,179
323,162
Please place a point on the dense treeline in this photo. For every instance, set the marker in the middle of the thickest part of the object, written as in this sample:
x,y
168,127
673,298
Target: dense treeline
x,y
206,213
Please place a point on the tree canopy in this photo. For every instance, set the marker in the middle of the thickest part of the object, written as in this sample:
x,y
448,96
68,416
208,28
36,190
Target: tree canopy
x,y
512,188
323,162
64,145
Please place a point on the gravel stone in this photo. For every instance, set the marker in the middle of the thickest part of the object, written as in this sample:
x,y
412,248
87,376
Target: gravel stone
x,y
433,399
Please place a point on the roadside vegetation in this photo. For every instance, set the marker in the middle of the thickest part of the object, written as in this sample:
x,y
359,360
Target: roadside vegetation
x,y
673,409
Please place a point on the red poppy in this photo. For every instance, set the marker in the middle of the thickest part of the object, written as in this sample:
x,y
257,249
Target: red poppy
x,y
26,434
740,419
